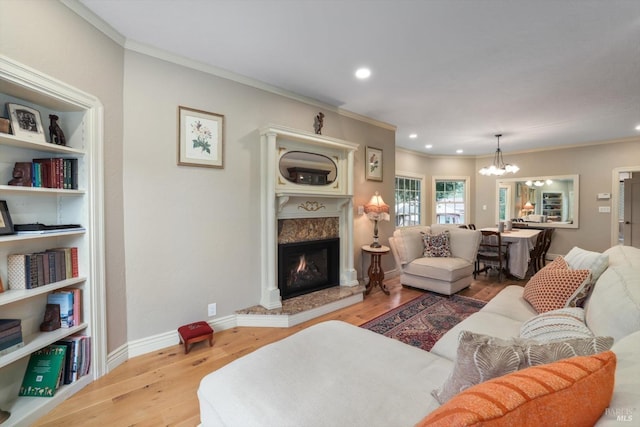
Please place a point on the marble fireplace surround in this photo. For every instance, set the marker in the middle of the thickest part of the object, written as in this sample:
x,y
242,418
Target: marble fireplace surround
x,y
309,206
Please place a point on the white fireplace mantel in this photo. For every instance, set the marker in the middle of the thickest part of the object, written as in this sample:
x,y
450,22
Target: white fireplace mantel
x,y
281,198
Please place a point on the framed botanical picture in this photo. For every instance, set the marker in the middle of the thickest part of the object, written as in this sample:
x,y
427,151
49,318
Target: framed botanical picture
x,y
373,164
26,122
6,226
200,138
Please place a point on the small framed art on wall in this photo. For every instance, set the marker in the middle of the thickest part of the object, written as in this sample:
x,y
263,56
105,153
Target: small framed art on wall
x,y
200,138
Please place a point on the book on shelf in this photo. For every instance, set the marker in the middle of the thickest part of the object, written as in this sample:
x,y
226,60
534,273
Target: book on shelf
x,y
77,357
77,304
10,335
34,229
44,371
17,269
55,173
28,271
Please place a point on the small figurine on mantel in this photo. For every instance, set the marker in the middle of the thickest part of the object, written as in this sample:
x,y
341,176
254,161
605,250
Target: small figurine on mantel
x,y
55,133
318,122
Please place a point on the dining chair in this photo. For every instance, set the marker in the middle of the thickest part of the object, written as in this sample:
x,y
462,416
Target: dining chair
x,y
493,251
542,259
536,253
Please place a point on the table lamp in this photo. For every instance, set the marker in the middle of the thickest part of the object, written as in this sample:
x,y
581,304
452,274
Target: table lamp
x,y
528,207
376,210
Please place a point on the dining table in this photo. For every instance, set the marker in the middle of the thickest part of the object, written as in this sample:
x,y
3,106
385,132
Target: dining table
x,y
522,241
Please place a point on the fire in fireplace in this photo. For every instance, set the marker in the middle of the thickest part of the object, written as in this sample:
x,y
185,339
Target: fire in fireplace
x,y
305,267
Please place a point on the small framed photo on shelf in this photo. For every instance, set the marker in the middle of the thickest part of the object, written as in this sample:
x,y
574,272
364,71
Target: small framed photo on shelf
x,y
6,226
200,138
373,164
26,122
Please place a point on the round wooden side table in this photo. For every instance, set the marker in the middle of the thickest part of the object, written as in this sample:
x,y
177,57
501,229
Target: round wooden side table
x,y
376,273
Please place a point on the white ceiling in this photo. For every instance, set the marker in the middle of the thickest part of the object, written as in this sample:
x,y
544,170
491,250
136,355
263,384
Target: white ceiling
x,y
541,72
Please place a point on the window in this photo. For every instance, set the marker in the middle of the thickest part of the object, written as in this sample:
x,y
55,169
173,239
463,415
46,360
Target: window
x,y
408,198
504,201
451,197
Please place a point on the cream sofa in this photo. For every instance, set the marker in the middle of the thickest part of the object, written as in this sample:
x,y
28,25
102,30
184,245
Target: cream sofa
x,y
446,275
337,374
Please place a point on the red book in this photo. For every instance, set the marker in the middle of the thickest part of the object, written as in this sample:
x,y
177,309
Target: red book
x,y
74,262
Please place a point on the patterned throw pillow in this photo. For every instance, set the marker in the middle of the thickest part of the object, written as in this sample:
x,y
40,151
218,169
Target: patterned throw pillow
x,y
578,298
558,263
483,357
436,245
559,324
573,391
552,289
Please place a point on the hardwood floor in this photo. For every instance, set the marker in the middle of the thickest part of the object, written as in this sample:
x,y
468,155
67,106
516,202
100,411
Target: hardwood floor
x,y
159,389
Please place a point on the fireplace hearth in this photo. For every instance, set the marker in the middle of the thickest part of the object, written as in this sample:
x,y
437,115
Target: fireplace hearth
x,y
309,266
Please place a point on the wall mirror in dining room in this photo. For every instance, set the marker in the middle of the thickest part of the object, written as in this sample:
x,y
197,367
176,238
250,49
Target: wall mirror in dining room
x,y
539,201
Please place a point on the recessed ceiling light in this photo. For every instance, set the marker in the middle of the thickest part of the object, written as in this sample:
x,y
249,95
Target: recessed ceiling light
x,y
638,127
429,146
413,135
459,151
363,73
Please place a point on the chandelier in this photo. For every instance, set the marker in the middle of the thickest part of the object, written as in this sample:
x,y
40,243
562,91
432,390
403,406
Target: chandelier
x,y
499,167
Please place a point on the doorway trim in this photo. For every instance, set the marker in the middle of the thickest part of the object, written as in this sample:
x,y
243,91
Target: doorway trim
x,y
615,199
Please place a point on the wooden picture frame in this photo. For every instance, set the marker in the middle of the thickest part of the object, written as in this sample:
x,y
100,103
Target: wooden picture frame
x,y
26,122
200,138
6,225
373,164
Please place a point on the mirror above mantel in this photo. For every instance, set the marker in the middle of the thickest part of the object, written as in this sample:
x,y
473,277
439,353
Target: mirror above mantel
x,y
539,201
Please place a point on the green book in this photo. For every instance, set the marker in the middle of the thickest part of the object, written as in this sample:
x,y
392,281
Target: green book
x,y
44,371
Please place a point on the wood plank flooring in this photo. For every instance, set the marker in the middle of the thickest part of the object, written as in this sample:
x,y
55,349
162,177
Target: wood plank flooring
x,y
159,389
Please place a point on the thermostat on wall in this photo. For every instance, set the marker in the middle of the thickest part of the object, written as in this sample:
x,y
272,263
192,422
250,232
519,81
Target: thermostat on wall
x,y
604,196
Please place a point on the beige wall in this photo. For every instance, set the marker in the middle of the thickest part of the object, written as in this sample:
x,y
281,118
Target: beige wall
x,y
192,234
50,38
593,163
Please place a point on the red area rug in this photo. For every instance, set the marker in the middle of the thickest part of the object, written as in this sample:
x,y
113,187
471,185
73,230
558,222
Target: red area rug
x,y
422,321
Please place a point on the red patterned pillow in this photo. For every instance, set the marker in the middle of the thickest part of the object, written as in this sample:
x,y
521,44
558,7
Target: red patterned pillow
x,y
552,289
436,245
557,263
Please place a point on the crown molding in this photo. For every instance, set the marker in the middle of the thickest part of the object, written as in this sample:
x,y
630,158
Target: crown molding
x,y
536,150
93,19
154,52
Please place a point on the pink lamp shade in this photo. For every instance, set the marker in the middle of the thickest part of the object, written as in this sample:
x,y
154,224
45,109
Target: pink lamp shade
x,y
376,210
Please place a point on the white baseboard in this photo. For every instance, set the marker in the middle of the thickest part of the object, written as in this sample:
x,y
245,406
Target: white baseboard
x,y
117,357
158,342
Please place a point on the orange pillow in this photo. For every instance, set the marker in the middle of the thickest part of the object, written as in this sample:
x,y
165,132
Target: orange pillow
x,y
573,391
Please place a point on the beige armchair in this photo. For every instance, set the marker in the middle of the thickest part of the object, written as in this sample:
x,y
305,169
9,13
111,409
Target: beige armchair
x,y
444,275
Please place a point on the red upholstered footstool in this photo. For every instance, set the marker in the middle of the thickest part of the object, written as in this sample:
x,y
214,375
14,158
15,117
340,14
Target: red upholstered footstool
x,y
195,332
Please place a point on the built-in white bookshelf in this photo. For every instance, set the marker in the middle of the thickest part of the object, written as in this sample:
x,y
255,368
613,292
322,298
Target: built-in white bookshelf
x,y
80,117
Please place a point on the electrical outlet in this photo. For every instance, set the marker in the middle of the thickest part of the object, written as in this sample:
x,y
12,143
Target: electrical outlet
x,y
212,309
